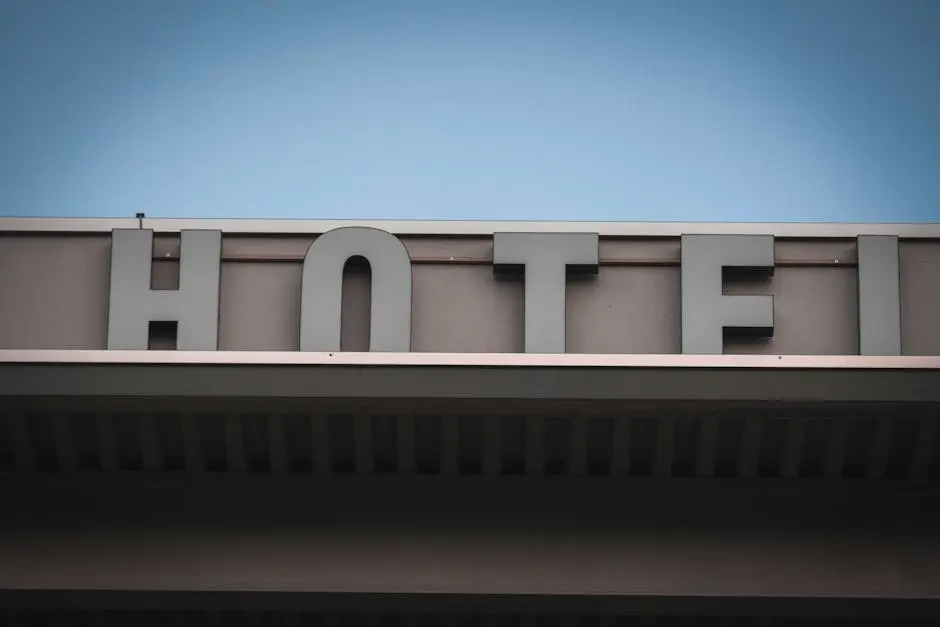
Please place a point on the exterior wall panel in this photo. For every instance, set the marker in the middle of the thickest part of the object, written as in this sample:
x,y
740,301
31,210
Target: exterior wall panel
x,y
54,291
259,306
625,310
815,312
920,297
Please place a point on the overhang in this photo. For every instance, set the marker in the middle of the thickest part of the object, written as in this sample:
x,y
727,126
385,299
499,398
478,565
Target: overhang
x,y
364,377
652,415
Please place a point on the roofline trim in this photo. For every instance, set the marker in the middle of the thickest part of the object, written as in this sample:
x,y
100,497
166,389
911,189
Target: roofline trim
x,y
483,360
470,228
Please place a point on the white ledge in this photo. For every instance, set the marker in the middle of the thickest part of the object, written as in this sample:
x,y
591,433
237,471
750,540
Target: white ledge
x,y
811,230
488,360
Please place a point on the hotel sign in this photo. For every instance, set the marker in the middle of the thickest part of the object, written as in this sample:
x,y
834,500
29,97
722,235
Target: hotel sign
x,y
542,261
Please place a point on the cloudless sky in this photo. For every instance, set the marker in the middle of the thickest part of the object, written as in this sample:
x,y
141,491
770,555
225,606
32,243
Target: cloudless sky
x,y
699,110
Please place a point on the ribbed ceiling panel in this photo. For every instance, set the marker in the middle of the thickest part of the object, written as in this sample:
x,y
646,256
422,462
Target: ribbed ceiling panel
x,y
724,445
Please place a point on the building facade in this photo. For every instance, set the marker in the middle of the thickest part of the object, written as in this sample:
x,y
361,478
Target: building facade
x,y
263,422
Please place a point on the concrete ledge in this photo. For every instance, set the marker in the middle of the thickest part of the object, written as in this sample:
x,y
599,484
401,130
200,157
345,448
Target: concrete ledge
x,y
504,377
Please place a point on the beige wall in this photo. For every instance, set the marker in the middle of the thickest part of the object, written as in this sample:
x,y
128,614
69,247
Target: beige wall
x,y
54,291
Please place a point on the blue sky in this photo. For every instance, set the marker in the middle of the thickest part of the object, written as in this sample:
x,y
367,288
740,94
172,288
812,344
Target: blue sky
x,y
709,110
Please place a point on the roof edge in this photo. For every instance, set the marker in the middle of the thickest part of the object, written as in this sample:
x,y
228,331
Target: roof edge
x,y
471,228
